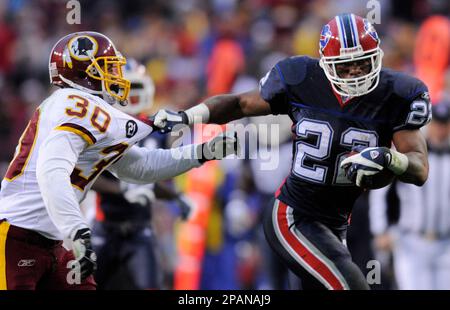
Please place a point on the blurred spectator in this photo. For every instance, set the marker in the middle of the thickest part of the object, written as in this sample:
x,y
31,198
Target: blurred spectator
x,y
192,48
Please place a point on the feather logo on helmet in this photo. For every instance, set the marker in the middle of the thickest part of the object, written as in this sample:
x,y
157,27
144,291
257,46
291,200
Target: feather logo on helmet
x,y
83,47
325,36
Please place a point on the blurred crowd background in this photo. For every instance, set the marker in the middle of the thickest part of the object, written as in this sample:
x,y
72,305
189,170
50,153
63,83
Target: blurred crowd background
x,y
193,49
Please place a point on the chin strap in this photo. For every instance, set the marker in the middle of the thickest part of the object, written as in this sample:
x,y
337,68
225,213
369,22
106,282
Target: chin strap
x,y
79,87
102,93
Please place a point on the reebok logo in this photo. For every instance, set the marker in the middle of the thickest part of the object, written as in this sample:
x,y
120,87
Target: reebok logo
x,y
26,262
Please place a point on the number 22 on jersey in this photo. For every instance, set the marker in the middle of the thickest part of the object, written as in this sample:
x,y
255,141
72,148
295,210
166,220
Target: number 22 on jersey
x,y
321,150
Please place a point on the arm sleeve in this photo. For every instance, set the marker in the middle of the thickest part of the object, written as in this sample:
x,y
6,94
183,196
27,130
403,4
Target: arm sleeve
x,y
378,217
273,90
141,165
58,155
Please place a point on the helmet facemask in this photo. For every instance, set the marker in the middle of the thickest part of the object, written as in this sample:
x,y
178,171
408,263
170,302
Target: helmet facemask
x,y
356,86
108,69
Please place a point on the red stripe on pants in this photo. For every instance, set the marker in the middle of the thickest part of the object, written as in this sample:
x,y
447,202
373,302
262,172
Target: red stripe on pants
x,y
305,254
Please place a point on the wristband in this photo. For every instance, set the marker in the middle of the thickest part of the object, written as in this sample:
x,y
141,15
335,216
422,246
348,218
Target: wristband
x,y
399,162
198,114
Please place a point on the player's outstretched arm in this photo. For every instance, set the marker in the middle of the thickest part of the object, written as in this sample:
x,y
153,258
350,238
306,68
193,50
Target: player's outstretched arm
x,y
412,145
226,108
219,109
140,165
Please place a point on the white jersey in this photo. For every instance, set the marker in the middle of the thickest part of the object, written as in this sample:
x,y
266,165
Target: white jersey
x,y
107,133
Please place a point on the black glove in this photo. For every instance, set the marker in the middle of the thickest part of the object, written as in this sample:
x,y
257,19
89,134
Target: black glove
x,y
187,207
219,147
84,254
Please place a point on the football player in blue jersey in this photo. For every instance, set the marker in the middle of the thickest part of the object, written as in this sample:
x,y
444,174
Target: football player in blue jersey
x,y
341,102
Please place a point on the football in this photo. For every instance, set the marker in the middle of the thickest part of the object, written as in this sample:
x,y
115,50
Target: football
x,y
376,181
379,180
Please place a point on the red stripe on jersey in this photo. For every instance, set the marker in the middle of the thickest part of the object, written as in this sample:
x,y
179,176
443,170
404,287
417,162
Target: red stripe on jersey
x,y
26,144
80,128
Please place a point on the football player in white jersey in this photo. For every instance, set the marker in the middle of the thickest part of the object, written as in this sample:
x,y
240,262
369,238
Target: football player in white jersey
x,y
123,236
71,138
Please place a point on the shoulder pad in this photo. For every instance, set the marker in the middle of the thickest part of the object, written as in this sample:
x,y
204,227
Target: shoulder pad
x,y
406,86
293,69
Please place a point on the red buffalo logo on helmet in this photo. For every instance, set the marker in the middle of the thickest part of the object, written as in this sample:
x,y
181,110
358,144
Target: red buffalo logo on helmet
x,y
368,27
325,36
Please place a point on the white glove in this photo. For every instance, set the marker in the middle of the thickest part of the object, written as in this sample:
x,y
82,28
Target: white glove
x,y
166,120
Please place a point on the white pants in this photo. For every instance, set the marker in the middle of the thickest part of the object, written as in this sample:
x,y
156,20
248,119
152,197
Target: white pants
x,y
421,264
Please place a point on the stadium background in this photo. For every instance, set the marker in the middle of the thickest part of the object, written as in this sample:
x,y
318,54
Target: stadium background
x,y
193,49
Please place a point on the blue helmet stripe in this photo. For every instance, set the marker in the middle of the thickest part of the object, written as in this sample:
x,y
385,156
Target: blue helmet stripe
x,y
343,31
349,35
354,29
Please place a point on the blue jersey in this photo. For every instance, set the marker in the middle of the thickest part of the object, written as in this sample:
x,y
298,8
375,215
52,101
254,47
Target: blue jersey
x,y
325,130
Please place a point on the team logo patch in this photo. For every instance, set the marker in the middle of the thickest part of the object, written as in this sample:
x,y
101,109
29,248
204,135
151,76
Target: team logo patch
x,y
83,47
325,36
374,154
131,128
26,262
368,27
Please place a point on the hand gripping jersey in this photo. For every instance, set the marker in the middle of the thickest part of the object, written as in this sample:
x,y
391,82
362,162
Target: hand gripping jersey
x,y
107,133
326,128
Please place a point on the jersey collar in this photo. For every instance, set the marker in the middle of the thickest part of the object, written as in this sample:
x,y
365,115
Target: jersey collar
x,y
343,100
